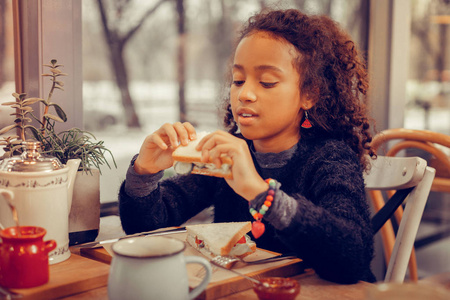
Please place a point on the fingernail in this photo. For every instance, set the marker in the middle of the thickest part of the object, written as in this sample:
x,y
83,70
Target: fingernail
x,y
193,136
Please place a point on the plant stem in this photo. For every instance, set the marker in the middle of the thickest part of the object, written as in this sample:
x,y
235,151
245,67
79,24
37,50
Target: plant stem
x,y
22,127
50,94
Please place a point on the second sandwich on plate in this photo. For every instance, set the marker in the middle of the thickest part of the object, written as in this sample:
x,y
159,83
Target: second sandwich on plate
x,y
225,239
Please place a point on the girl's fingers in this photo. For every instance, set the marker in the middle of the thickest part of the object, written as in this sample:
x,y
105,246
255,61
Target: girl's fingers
x,y
218,151
191,131
182,133
213,139
178,133
202,142
217,162
215,144
169,130
206,145
158,141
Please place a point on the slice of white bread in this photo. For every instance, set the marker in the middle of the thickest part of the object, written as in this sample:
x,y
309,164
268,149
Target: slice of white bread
x,y
219,238
188,154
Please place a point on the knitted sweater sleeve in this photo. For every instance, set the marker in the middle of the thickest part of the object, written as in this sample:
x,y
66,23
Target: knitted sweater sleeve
x,y
167,202
327,223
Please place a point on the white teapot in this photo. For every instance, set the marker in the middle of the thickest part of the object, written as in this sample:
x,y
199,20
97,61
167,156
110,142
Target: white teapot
x,y
40,188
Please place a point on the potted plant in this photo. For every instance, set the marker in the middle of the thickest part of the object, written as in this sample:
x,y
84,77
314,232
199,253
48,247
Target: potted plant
x,y
69,144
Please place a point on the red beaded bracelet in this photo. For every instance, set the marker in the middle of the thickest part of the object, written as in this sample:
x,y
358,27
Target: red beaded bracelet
x,y
258,227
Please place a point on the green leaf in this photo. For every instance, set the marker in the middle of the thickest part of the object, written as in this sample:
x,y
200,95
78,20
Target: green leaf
x,y
47,75
30,101
17,147
34,131
7,128
55,118
16,95
27,109
60,112
9,103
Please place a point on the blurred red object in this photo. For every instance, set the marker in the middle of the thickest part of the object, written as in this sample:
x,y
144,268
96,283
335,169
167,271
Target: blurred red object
x,y
278,288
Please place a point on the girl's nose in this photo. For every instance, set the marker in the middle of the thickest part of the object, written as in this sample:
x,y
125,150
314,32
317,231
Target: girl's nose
x,y
247,93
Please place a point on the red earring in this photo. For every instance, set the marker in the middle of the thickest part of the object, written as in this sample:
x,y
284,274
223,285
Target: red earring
x,y
306,123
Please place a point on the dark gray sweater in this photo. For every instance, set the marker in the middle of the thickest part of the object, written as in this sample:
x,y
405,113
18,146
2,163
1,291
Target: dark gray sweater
x,y
319,212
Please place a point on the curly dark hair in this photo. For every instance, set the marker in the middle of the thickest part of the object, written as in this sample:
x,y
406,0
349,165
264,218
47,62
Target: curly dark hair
x,y
332,74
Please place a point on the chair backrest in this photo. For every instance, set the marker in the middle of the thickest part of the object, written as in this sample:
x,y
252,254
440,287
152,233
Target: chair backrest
x,y
412,176
432,142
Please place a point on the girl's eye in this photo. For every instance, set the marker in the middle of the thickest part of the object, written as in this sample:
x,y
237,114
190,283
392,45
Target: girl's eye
x,y
268,84
238,82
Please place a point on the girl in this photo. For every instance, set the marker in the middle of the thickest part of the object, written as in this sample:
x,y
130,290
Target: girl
x,y
295,117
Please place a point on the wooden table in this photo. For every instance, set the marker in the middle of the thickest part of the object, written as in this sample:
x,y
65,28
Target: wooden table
x,y
86,278
83,278
312,287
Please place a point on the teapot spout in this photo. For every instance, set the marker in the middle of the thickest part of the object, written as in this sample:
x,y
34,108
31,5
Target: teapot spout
x,y
73,165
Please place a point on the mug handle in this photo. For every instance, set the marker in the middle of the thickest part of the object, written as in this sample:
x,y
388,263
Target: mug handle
x,y
202,286
50,245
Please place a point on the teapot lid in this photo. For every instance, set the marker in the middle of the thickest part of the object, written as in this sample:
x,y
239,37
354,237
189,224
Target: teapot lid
x,y
31,160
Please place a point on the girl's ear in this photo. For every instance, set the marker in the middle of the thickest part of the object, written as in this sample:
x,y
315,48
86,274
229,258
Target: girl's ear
x,y
307,102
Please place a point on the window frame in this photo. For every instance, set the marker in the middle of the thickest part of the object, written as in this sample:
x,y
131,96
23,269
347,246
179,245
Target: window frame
x,y
388,61
44,30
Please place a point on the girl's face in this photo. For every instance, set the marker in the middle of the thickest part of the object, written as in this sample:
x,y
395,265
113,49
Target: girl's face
x,y
266,100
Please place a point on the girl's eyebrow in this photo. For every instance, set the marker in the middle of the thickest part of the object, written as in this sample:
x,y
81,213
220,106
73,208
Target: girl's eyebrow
x,y
239,67
268,68
260,68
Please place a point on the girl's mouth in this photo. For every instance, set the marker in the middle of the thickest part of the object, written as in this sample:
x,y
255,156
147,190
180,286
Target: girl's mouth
x,y
246,116
246,119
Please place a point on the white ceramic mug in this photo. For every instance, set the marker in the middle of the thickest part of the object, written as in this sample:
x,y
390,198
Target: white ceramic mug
x,y
153,268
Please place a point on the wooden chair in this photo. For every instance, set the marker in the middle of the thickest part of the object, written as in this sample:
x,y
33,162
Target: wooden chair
x,y
400,139
412,180
428,141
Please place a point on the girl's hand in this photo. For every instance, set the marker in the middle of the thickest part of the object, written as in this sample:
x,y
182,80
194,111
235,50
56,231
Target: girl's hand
x,y
156,151
246,181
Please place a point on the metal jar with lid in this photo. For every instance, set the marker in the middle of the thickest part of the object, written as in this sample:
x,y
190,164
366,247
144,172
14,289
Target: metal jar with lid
x,y
40,188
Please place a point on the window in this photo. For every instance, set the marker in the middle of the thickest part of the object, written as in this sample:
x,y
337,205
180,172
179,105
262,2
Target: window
x,y
428,85
151,61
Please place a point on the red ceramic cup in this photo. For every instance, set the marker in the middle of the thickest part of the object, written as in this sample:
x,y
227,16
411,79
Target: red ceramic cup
x,y
24,257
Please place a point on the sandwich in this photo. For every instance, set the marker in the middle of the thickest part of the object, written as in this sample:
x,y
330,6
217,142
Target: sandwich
x,y
224,239
188,160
